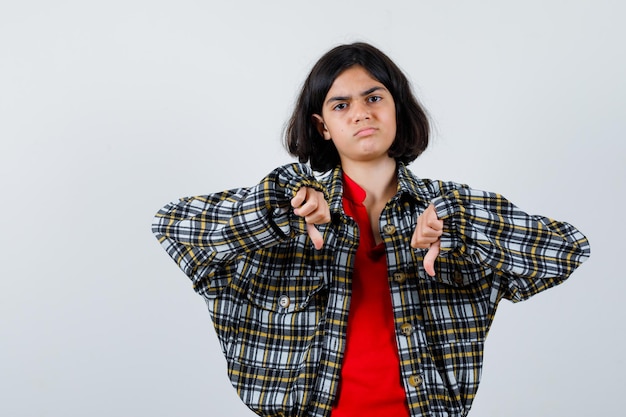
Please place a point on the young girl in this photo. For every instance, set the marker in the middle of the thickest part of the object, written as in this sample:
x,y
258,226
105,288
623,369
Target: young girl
x,y
366,291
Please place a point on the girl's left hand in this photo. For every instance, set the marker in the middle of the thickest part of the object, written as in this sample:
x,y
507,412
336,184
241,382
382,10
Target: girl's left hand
x,y
311,204
427,234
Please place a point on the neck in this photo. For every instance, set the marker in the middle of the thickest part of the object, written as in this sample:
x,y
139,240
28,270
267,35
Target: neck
x,y
379,180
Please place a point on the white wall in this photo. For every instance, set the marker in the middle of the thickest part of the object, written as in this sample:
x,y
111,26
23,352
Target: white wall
x,y
110,109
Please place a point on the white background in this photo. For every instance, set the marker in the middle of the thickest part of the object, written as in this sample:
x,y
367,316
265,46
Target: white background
x,y
110,109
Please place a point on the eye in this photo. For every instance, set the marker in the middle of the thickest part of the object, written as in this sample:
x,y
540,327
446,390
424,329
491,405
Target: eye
x,y
374,99
340,106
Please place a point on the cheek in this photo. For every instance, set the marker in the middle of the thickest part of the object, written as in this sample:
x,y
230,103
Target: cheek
x,y
330,130
335,128
391,121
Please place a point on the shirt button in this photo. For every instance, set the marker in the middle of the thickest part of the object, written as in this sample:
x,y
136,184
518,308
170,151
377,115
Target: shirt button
x,y
416,380
458,277
284,301
399,277
406,329
389,229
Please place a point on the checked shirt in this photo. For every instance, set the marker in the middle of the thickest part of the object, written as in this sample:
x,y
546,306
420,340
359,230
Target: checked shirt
x,y
280,307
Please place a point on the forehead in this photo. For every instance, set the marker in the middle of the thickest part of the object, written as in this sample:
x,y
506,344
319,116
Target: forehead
x,y
353,78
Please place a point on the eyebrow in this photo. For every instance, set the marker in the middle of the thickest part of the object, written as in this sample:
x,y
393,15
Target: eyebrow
x,y
363,94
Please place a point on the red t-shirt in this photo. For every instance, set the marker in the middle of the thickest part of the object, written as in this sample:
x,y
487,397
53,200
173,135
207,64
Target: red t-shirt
x,y
370,374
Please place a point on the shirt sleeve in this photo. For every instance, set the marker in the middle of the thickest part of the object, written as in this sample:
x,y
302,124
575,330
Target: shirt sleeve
x,y
207,232
532,252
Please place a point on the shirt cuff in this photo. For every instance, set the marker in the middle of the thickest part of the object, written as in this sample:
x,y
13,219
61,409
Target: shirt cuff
x,y
448,210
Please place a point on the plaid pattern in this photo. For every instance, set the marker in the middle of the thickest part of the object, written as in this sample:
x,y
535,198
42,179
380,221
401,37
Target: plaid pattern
x,y
280,307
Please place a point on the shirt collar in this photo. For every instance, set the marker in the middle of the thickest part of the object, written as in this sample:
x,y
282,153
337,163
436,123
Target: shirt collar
x,y
411,185
408,185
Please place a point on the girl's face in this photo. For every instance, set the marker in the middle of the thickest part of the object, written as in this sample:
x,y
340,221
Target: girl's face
x,y
359,116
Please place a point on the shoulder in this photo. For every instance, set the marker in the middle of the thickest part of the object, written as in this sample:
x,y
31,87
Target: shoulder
x,y
424,188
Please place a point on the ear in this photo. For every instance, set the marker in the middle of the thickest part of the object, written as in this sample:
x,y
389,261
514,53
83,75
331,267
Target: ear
x,y
321,126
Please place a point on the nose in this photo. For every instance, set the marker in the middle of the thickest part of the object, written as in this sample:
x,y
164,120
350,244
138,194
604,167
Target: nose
x,y
360,112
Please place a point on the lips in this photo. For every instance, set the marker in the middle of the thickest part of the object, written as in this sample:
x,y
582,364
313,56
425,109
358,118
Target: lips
x,y
366,131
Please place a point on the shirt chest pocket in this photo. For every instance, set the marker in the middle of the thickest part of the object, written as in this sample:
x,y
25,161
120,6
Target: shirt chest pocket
x,y
452,272
284,294
279,320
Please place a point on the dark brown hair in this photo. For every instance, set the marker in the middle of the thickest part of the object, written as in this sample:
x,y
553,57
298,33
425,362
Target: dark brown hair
x,y
303,140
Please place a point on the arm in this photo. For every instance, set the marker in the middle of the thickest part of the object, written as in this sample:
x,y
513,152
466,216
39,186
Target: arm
x,y
207,232
534,252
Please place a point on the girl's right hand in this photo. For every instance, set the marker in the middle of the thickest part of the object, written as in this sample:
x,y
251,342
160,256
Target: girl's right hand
x,y
311,204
